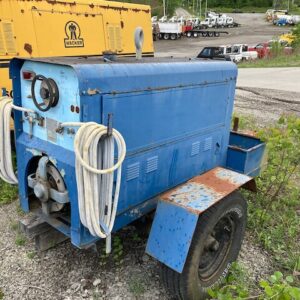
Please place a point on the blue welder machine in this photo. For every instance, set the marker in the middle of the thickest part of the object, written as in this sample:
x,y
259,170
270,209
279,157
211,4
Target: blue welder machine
x,y
103,143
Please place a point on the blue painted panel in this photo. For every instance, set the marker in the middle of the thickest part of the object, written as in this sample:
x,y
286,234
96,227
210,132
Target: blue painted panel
x,y
112,78
67,82
171,235
175,118
167,115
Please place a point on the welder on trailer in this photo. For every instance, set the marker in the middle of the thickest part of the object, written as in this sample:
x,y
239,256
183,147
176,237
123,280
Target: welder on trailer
x,y
187,167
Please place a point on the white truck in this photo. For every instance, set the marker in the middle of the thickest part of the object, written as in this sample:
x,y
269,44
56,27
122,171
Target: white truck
x,y
238,52
215,21
170,30
243,49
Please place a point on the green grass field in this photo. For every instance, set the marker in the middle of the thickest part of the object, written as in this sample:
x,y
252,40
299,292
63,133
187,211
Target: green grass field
x,y
279,61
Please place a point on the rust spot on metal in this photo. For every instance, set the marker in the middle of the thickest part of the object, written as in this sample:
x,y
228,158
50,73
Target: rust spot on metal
x,y
93,92
212,181
203,191
28,48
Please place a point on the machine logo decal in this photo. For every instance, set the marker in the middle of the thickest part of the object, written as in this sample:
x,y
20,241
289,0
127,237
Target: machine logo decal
x,y
73,35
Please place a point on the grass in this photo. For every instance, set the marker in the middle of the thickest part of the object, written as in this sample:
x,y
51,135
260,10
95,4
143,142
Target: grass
x,y
275,62
8,193
137,286
31,254
273,217
20,239
274,211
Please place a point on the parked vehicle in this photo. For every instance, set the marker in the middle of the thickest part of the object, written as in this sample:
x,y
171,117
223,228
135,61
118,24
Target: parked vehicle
x,y
86,181
228,51
214,53
288,38
244,50
170,30
218,21
265,49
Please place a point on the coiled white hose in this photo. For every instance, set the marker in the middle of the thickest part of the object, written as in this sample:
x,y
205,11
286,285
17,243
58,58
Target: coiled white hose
x,y
6,165
97,196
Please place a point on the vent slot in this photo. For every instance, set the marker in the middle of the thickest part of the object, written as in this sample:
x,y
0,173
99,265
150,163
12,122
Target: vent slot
x,y
195,148
133,171
152,164
8,34
2,46
207,144
114,36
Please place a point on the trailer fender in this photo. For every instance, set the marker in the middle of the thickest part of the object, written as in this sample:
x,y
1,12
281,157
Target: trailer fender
x,y
178,211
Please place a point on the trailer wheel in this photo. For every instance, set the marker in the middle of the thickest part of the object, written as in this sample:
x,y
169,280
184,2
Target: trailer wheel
x,y
189,34
204,34
173,36
217,34
216,243
210,34
195,34
166,36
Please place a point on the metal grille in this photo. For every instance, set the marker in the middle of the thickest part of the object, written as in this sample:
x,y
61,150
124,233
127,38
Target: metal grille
x,y
152,164
133,171
114,35
2,46
8,34
195,148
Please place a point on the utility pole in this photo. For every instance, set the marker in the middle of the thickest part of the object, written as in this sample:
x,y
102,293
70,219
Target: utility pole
x,y
200,9
205,8
164,4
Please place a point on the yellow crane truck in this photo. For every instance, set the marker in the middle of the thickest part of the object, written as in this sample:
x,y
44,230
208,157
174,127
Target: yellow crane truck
x,y
51,28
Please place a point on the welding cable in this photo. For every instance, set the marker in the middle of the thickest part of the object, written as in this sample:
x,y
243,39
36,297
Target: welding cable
x,y
6,165
97,195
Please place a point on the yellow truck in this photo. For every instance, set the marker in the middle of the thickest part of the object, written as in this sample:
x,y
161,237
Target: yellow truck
x,y
51,28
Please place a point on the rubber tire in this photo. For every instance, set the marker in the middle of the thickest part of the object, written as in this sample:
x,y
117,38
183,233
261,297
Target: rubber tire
x,y
166,36
210,34
189,34
187,285
217,34
195,34
173,36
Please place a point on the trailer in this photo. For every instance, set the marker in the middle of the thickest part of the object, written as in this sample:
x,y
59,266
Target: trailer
x,y
86,168
204,33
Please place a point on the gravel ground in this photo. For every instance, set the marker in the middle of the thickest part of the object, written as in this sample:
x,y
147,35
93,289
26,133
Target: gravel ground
x,y
65,272
266,105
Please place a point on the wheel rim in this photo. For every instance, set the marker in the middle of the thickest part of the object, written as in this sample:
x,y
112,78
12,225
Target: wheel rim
x,y
217,248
